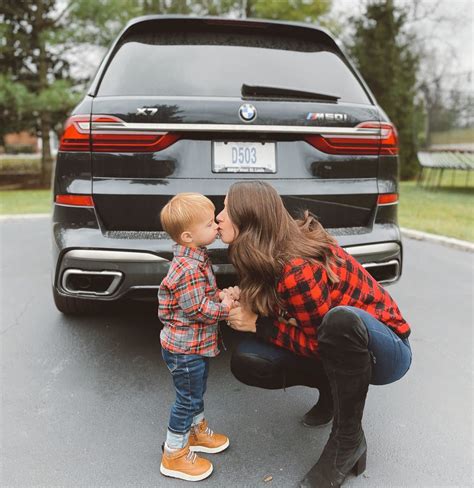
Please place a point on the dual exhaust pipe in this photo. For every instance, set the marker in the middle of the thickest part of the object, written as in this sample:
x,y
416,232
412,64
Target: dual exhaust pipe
x,y
84,283
384,273
91,283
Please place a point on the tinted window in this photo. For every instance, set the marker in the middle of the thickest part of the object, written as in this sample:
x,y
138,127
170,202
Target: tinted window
x,y
217,64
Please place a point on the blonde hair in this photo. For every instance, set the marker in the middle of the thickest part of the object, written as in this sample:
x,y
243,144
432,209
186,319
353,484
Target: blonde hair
x,y
182,211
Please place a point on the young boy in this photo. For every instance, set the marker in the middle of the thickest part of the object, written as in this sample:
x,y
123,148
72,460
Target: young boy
x,y
189,309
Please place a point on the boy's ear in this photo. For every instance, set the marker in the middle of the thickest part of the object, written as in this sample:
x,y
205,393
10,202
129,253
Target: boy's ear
x,y
186,237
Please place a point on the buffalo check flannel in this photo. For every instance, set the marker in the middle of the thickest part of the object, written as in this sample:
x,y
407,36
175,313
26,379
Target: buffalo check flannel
x,y
189,306
307,295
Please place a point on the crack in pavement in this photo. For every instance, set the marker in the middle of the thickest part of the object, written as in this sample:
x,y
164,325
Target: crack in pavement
x,y
18,317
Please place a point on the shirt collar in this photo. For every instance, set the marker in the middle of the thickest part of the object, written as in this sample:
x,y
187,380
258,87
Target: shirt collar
x,y
197,253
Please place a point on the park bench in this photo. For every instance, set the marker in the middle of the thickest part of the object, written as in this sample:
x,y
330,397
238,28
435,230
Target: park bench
x,y
435,162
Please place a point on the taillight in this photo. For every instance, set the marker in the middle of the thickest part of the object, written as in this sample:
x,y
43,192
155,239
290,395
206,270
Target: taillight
x,y
387,198
76,135
75,200
384,141
104,133
132,142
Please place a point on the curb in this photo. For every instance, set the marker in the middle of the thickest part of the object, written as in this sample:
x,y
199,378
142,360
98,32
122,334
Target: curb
x,y
24,216
443,240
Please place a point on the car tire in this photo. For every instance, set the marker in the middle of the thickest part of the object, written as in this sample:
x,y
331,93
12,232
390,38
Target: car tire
x,y
76,306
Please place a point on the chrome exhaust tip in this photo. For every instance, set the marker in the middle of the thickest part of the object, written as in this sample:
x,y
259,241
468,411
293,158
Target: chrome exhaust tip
x,y
80,282
385,273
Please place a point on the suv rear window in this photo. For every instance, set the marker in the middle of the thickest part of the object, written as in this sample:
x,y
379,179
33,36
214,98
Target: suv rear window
x,y
216,64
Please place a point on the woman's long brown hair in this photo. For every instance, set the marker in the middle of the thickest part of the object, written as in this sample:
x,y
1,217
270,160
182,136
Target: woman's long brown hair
x,y
267,238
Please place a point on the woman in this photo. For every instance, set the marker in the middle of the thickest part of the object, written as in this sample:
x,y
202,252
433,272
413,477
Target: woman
x,y
318,319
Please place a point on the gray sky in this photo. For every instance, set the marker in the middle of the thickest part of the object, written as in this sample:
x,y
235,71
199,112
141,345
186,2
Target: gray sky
x,y
446,26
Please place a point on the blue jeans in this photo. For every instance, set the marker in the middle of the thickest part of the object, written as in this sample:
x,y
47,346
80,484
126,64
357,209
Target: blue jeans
x,y
265,365
391,355
189,373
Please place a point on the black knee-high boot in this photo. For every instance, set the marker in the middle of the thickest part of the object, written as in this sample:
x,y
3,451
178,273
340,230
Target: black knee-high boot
x,y
343,348
322,412
311,373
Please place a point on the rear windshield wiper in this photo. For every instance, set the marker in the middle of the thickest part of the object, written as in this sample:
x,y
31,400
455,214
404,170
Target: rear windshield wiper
x,y
260,91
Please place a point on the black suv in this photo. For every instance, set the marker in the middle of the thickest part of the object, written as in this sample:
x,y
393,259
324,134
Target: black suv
x,y
194,104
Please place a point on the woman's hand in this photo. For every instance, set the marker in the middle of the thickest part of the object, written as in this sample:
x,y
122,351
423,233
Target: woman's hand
x,y
242,319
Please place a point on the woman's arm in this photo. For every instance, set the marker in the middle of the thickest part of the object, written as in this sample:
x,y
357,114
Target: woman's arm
x,y
306,298
305,292
282,332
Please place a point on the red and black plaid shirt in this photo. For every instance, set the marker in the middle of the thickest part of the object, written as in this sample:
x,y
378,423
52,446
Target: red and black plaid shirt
x,y
189,305
307,295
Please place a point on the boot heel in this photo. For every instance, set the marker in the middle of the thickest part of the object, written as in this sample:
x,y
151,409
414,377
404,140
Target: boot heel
x,y
359,466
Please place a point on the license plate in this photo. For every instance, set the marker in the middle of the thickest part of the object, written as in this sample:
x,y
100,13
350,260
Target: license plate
x,y
244,157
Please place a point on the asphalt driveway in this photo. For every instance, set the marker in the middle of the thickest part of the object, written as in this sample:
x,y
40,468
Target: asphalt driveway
x,y
85,400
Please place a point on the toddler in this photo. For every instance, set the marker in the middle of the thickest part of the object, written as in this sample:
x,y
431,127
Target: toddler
x,y
190,310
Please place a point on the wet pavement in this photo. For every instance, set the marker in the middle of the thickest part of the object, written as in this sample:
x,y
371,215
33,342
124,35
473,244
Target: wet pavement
x,y
85,400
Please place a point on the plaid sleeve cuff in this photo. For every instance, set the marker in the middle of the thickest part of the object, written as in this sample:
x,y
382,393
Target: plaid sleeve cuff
x,y
224,312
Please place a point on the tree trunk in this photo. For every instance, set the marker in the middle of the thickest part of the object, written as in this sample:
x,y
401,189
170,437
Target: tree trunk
x,y
428,138
46,159
45,117
248,9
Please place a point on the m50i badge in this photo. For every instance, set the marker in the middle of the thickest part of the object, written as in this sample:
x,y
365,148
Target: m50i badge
x,y
326,117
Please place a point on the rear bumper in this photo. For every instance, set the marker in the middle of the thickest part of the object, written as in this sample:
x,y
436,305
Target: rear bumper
x,y
112,268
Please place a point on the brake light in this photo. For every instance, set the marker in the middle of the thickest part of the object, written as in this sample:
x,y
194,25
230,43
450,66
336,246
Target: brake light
x,y
76,135
384,142
75,200
132,142
387,198
104,133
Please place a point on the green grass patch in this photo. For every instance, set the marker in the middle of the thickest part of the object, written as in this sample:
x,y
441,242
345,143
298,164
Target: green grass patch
x,y
456,136
25,201
448,210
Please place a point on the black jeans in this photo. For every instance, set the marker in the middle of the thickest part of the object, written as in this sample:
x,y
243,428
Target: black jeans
x,y
257,363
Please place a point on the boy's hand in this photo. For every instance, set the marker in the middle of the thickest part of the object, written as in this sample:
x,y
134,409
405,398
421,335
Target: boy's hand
x,y
233,291
228,300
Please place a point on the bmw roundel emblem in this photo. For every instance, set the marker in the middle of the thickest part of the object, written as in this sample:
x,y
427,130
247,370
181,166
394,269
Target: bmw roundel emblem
x,y
247,112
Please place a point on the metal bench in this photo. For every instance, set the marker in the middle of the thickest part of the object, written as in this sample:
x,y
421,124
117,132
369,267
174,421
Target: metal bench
x,y
435,162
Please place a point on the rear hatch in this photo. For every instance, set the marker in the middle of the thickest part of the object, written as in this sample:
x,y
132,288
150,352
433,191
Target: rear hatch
x,y
194,104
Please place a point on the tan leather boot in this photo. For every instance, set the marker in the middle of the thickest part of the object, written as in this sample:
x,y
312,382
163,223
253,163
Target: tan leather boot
x,y
203,439
185,465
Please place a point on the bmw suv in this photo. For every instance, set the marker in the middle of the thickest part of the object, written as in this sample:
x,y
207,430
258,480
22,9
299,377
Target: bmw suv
x,y
194,104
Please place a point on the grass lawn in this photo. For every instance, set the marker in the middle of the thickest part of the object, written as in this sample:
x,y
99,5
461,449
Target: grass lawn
x,y
25,201
454,136
448,210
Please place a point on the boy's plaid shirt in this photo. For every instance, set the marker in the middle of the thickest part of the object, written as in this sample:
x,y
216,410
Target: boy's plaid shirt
x,y
189,306
307,295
